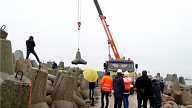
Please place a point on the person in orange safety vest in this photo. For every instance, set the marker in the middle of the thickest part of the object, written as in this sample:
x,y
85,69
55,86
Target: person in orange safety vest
x,y
106,88
127,82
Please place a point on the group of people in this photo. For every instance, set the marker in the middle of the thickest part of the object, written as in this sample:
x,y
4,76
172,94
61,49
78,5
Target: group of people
x,y
147,89
119,86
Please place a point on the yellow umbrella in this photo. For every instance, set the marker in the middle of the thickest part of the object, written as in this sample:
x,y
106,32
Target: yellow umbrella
x,y
90,75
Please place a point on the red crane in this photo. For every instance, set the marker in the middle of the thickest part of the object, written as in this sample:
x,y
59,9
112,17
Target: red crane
x,y
109,36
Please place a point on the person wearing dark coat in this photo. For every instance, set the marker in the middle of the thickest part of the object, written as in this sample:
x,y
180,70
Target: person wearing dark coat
x,y
155,95
118,87
54,65
91,89
143,85
161,85
30,44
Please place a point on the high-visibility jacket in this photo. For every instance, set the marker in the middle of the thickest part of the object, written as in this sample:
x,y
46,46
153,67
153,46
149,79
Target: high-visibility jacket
x,y
127,82
106,83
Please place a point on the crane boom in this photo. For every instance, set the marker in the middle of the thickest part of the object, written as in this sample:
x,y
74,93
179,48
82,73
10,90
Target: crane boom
x,y
109,36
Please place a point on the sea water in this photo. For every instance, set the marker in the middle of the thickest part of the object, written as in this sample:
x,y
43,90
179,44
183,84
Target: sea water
x,y
188,82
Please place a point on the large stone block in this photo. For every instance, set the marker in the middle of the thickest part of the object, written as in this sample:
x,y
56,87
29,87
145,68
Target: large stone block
x,y
34,63
49,64
39,79
78,101
16,93
44,66
23,65
75,81
61,65
57,77
84,84
186,99
6,58
18,55
63,104
64,88
39,105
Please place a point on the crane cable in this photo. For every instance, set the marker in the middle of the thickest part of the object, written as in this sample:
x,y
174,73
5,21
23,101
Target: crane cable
x,y
79,20
118,46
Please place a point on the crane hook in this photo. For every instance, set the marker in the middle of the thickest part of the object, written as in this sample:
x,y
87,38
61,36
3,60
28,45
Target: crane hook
x,y
79,25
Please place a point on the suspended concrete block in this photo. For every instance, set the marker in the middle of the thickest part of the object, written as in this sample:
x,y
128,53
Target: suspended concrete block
x,y
78,59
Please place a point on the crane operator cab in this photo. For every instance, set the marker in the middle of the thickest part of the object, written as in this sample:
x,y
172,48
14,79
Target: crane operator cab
x,y
125,65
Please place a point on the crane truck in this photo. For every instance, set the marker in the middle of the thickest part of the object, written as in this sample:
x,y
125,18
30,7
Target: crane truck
x,y
112,65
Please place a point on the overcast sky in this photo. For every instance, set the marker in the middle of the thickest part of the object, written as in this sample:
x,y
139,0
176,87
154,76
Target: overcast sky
x,y
156,34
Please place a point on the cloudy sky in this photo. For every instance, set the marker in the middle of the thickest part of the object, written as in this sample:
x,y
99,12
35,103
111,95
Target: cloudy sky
x,y
156,34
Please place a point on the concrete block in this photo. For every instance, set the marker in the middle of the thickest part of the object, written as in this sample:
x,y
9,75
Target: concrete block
x,y
185,97
51,77
6,58
84,84
78,101
50,71
18,54
63,89
16,93
49,64
39,79
75,81
48,100
23,65
57,77
44,66
39,105
61,65
4,75
63,104
34,64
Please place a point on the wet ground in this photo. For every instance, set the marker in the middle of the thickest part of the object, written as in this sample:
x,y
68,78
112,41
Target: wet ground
x,y
132,101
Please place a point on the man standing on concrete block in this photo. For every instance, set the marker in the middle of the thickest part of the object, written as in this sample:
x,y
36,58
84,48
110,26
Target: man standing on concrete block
x,y
30,48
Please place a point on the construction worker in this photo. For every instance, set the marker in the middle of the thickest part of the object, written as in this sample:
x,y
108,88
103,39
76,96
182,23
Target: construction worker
x,y
106,88
127,82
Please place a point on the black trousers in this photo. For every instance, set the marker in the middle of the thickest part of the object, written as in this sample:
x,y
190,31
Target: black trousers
x,y
139,101
118,102
106,95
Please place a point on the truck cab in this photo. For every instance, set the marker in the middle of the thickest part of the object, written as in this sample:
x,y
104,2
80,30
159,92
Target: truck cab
x,y
125,65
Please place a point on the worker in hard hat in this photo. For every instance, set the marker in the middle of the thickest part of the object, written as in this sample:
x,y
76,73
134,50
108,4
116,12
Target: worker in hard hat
x,y
127,82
